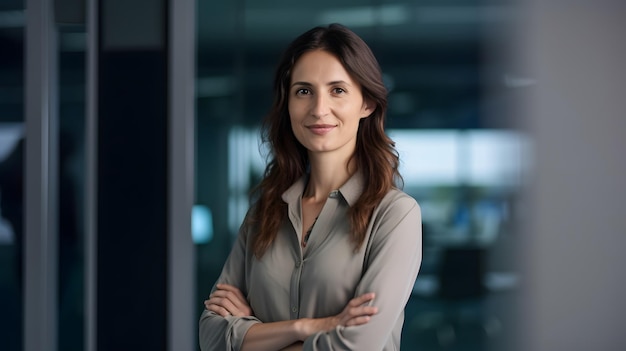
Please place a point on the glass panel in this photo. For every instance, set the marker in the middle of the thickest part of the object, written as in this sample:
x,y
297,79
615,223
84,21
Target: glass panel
x,y
71,169
448,111
72,92
11,172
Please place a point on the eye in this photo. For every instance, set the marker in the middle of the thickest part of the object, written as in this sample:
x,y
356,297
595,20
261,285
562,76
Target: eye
x,y
338,91
303,91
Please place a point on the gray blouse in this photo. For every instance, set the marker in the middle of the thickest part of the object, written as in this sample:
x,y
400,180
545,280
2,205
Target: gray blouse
x,y
291,282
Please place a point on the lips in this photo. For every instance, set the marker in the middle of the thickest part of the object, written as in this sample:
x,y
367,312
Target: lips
x,y
321,129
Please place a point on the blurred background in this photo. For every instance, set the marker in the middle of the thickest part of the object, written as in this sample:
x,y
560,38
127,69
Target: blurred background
x,y
129,142
448,91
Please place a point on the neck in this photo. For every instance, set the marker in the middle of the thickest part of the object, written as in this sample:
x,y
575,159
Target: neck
x,y
327,175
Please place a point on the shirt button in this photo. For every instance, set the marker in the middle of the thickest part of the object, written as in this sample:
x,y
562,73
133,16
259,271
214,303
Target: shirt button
x,y
297,264
294,309
334,194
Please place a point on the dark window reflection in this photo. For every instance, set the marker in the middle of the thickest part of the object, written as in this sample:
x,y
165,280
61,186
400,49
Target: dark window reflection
x,y
71,177
11,172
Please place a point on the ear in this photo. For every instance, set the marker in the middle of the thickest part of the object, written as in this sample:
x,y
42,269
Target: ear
x,y
367,108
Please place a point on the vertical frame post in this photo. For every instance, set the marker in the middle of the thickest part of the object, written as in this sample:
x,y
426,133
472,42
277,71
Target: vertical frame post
x,y
90,175
40,236
181,262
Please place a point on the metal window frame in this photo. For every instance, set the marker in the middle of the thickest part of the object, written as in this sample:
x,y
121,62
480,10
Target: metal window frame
x,y
181,254
41,252
41,165
91,144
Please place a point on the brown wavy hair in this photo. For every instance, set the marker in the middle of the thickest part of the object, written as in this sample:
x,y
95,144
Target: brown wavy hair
x,y
375,154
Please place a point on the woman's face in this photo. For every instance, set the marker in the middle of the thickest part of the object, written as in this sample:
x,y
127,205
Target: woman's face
x,y
325,104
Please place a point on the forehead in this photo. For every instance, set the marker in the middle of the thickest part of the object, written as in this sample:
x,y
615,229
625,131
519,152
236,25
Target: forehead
x,y
319,65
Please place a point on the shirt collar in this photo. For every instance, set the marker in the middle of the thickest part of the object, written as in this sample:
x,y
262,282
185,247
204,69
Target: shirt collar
x,y
351,190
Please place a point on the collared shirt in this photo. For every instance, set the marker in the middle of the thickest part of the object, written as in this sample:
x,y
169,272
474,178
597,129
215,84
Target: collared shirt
x,y
290,282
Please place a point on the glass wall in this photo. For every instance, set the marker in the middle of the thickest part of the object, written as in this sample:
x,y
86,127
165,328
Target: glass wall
x,y
71,209
11,172
71,126
449,84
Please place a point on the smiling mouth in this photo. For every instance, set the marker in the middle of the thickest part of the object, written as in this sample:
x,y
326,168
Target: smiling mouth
x,y
321,129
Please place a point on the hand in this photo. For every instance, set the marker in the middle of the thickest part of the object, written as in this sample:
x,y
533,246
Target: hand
x,y
358,311
227,300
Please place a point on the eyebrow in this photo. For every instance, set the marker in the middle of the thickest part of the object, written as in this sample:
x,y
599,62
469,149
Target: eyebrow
x,y
334,82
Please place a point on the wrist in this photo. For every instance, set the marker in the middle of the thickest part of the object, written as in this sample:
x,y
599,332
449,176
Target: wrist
x,y
302,328
306,327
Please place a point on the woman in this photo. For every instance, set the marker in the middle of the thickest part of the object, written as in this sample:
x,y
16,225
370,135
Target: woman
x,y
328,254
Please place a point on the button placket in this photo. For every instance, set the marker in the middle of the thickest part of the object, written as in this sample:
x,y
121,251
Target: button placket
x,y
294,298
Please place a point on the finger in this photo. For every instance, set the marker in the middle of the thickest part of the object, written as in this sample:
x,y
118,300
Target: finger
x,y
353,313
225,303
358,321
210,302
219,310
365,311
359,300
360,311
232,289
232,296
240,300
240,304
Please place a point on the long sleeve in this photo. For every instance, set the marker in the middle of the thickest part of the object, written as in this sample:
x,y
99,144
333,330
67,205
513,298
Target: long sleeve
x,y
215,331
393,261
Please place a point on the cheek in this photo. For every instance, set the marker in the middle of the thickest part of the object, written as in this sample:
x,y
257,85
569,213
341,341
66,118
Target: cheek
x,y
295,126
295,109
292,113
296,116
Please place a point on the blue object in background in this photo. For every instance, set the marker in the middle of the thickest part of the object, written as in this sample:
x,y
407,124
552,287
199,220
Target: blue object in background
x,y
201,224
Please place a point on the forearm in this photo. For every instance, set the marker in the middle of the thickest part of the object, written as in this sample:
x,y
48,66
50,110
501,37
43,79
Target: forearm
x,y
294,347
273,336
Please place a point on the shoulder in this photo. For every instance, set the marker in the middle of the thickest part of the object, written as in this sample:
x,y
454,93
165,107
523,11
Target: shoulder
x,y
396,210
397,202
397,221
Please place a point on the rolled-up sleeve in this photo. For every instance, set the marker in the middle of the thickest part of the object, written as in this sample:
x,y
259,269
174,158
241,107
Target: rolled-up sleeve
x,y
392,263
219,333
227,333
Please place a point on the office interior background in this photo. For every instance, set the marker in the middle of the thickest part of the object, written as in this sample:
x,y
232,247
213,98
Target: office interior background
x,y
129,143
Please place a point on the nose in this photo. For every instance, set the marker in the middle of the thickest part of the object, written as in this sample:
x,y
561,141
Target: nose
x,y
320,106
